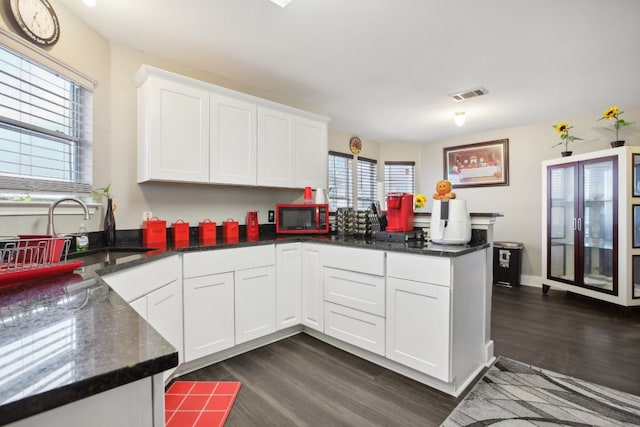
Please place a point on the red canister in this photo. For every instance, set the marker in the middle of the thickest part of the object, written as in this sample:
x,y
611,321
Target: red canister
x,y
180,231
207,231
154,232
230,230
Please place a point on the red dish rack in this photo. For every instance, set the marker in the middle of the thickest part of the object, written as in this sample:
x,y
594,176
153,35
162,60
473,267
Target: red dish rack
x,y
31,257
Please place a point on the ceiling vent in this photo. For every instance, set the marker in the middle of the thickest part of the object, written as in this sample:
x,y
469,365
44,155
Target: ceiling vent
x,y
469,94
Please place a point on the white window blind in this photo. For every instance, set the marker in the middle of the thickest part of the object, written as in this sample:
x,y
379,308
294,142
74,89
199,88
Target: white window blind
x,y
45,128
399,177
340,180
367,182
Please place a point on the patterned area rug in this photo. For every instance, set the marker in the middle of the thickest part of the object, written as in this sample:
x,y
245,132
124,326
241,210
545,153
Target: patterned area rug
x,y
199,403
514,394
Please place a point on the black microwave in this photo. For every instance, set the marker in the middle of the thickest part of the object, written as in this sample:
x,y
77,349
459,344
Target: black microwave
x,y
302,218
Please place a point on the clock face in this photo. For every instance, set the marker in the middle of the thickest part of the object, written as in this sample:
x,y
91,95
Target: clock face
x,y
37,19
355,145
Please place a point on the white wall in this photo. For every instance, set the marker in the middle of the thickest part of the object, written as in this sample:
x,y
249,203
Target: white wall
x,y
520,200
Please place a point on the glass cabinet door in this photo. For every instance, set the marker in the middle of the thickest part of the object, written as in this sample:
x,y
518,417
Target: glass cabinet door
x,y
597,223
562,225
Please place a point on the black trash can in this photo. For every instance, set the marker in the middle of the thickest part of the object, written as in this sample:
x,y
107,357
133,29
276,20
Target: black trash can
x,y
507,263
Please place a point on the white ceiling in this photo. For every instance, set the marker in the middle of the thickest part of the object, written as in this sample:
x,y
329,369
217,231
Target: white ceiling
x,y
383,69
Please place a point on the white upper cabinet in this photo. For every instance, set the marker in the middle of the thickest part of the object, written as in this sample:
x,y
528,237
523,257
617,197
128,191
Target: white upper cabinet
x,y
193,131
173,132
233,141
276,148
311,154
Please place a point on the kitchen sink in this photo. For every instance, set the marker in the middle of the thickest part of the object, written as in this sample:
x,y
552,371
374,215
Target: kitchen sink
x,y
109,256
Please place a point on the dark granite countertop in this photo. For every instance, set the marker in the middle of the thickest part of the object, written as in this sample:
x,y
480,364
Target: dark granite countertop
x,y
75,330
70,337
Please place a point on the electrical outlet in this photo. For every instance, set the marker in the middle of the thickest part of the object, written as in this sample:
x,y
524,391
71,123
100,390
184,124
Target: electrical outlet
x,y
272,216
146,216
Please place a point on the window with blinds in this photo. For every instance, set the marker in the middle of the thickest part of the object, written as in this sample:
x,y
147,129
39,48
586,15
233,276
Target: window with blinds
x,y
340,180
367,182
399,177
45,128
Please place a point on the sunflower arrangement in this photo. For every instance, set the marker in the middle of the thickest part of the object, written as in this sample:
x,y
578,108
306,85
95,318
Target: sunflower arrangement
x,y
421,200
612,113
563,129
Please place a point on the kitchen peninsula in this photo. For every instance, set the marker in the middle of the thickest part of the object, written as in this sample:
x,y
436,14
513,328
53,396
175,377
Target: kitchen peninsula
x,y
312,287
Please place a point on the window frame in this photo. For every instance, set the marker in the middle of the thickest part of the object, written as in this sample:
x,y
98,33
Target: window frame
x,y
16,187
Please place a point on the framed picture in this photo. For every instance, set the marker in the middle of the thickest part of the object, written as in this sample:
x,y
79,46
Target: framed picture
x,y
635,182
636,276
481,164
636,226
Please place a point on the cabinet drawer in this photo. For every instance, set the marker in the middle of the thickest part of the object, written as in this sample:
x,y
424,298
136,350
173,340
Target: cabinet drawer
x,y
203,263
355,327
135,282
419,268
361,260
356,290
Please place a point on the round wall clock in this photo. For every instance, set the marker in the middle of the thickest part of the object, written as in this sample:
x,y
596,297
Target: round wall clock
x,y
37,20
355,145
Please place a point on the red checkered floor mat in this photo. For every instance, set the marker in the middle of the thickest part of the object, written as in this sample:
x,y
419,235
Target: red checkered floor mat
x,y
199,403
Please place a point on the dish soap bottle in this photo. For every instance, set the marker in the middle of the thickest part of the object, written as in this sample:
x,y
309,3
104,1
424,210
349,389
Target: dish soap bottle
x,y
82,239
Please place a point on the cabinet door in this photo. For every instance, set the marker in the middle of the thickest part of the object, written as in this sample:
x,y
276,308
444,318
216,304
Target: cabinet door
x,y
276,149
311,153
255,303
562,230
418,326
582,225
288,282
598,225
208,315
233,141
164,313
173,140
311,287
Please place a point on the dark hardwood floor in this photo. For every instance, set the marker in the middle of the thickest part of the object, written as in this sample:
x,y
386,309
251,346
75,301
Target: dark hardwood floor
x,y
301,381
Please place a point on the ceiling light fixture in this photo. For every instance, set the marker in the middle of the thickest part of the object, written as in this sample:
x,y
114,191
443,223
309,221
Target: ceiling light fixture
x,y
281,3
89,3
460,118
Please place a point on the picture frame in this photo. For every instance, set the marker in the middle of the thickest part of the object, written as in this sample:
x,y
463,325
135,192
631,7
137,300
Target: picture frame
x,y
635,180
635,215
481,164
636,276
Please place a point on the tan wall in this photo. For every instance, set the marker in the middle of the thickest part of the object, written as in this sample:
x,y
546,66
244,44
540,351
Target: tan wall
x,y
113,67
115,133
520,202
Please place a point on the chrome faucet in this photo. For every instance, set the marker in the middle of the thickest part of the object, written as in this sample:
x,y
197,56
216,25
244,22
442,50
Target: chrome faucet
x,y
50,228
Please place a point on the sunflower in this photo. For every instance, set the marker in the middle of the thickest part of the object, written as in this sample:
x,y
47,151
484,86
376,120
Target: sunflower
x,y
421,200
612,113
563,129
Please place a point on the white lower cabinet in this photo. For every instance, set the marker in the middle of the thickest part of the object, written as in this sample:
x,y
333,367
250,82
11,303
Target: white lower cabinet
x,y
418,326
436,314
355,327
154,290
229,298
354,299
208,315
288,284
255,303
312,311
